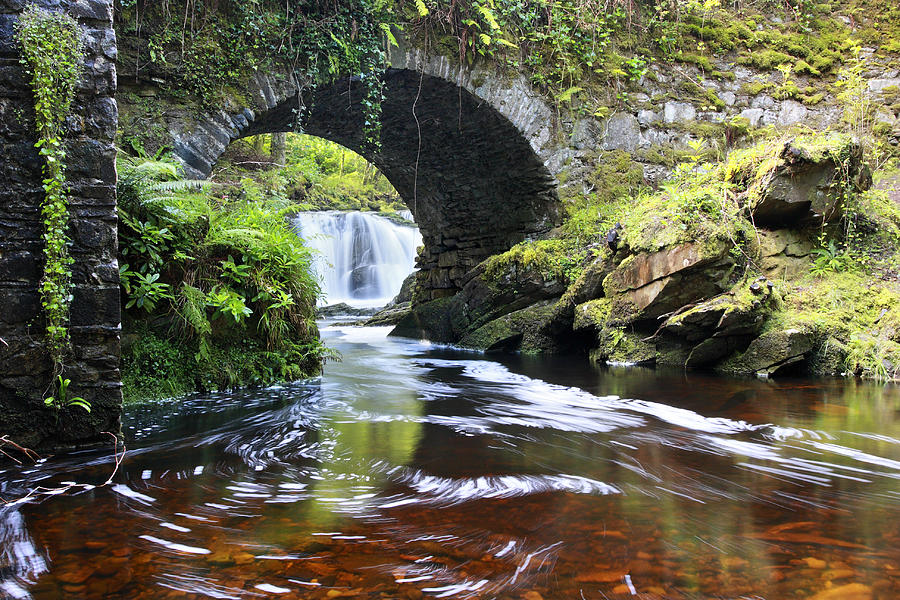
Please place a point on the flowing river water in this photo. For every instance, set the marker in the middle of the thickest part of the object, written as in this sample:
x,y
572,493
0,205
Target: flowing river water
x,y
415,471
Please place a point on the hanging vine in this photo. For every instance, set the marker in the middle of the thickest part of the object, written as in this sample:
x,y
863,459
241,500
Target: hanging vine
x,y
52,53
205,47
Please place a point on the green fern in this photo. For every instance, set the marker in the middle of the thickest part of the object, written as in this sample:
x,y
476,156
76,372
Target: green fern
x,y
423,10
567,95
386,29
192,310
489,17
182,185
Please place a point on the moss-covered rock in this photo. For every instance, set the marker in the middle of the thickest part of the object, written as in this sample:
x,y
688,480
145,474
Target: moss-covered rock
x,y
521,330
770,353
429,321
799,181
623,346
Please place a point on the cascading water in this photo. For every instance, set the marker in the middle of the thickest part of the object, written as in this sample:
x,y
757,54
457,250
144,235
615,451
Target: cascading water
x,y
363,258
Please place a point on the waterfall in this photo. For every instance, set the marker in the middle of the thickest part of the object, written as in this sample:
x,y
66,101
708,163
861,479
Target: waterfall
x,y
362,258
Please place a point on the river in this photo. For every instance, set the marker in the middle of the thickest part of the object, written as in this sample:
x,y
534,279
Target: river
x,y
410,470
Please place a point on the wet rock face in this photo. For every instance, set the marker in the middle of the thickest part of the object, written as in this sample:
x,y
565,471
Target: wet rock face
x,y
94,366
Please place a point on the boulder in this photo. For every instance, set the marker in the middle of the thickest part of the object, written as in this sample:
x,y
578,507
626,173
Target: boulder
x,y
428,321
720,326
407,290
389,315
588,286
342,309
771,352
492,290
656,283
517,331
808,184
622,346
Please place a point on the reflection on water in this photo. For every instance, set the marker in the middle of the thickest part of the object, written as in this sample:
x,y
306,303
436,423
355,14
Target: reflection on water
x,y
412,471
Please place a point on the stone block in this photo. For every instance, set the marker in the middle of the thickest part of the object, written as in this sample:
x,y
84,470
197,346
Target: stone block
x,y
674,112
93,305
19,266
622,132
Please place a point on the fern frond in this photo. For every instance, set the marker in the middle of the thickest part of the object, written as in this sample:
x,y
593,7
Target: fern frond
x,y
386,28
180,185
157,170
489,17
567,95
423,10
192,310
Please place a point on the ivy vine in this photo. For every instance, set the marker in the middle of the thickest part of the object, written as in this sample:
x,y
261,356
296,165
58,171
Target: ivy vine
x,y
52,54
209,46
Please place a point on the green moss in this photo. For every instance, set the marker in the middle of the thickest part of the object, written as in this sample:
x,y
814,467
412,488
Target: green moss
x,y
621,345
851,312
723,75
767,60
593,315
891,94
615,177
156,365
557,259
658,155
706,98
804,68
699,60
811,99
154,368
519,330
754,88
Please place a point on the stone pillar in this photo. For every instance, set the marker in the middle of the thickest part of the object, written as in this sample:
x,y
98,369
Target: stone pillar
x,y
95,314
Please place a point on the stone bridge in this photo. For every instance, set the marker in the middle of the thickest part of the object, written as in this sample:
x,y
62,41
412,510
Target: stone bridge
x,y
476,154
467,149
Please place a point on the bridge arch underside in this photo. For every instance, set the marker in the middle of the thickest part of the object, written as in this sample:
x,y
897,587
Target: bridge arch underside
x,y
472,181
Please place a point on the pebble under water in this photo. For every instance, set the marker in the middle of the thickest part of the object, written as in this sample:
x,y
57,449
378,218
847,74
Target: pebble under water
x,y
414,471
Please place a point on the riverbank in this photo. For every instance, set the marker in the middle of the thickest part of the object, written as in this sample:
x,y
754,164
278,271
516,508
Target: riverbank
x,y
782,258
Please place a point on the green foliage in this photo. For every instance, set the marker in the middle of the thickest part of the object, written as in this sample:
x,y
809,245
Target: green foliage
x,y
211,46
220,268
52,53
62,399
851,317
317,174
831,259
593,210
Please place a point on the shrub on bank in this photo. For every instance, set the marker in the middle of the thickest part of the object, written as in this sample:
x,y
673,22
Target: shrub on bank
x,y
217,288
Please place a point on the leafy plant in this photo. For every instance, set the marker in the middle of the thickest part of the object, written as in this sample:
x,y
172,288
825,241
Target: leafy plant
x,y
831,259
230,303
62,400
144,289
52,53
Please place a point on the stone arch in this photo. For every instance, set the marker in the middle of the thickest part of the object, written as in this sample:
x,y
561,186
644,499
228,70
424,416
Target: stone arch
x,y
470,163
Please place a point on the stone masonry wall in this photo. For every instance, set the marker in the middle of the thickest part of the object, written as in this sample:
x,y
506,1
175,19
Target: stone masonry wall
x,y
95,320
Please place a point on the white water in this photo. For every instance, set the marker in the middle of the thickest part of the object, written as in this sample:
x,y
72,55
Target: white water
x,y
362,258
